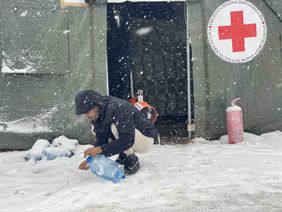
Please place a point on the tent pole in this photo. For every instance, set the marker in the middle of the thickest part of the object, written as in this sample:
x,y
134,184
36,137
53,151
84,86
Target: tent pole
x,y
190,126
131,84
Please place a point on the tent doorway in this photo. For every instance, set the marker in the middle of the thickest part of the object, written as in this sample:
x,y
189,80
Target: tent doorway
x,y
149,40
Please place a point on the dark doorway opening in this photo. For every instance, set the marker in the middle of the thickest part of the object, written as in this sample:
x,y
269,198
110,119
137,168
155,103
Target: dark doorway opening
x,y
149,39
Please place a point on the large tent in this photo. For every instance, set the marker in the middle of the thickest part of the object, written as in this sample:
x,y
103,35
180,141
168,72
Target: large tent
x,y
49,52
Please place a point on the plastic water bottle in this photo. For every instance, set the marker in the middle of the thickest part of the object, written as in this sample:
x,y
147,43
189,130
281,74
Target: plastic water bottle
x,y
106,168
51,153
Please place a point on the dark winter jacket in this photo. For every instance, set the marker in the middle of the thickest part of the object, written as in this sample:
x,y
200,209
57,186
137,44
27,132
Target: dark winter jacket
x,y
119,112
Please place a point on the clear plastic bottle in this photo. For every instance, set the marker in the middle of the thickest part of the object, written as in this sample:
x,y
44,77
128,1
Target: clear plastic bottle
x,y
106,168
51,153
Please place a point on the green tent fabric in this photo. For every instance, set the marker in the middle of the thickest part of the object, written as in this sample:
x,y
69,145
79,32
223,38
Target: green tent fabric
x,y
217,82
47,55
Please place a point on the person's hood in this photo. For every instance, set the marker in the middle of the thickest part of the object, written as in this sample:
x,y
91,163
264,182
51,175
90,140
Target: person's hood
x,y
85,100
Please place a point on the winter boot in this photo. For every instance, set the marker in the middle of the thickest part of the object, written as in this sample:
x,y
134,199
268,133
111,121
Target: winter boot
x,y
157,139
131,164
121,158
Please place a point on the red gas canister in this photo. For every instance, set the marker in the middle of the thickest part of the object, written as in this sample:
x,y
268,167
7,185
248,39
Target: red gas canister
x,y
149,111
234,123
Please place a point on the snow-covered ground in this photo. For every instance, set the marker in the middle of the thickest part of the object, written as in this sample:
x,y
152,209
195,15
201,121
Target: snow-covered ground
x,y
194,177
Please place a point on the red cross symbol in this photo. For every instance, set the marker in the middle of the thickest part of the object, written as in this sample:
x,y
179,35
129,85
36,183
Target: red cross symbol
x,y
238,31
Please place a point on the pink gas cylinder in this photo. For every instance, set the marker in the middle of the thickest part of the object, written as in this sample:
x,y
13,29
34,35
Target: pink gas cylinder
x,y
234,123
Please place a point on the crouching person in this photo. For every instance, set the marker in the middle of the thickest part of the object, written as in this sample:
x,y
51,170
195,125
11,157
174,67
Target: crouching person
x,y
119,127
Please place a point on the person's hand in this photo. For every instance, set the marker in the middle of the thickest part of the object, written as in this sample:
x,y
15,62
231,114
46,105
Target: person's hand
x,y
93,151
83,165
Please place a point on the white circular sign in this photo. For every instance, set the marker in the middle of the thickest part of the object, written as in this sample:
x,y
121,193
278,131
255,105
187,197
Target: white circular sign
x,y
237,31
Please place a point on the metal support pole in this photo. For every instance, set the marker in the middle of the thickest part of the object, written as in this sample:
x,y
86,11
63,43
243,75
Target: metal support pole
x,y
190,125
131,85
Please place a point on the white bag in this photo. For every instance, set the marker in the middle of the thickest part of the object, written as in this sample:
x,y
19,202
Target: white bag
x,y
36,151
